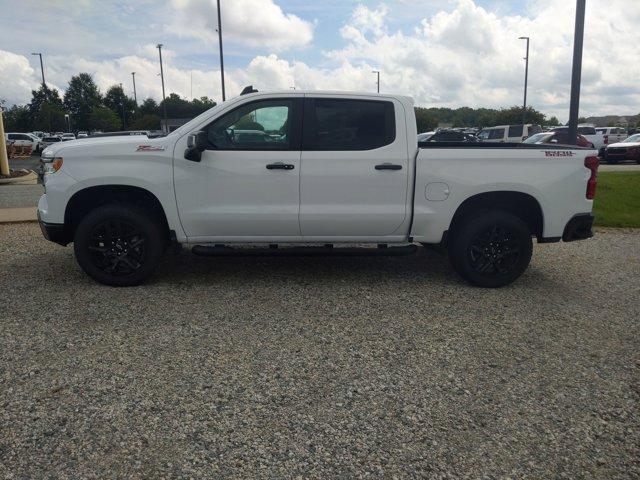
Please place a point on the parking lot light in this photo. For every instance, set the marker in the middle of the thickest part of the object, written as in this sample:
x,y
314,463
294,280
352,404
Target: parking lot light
x,y
526,76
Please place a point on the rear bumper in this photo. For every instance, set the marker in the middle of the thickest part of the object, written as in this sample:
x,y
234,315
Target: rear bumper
x,y
580,227
54,232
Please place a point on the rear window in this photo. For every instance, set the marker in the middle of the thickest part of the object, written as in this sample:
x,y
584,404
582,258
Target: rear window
x,y
586,130
515,131
336,124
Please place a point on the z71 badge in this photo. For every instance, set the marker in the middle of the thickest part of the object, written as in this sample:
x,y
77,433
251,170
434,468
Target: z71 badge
x,y
558,153
150,148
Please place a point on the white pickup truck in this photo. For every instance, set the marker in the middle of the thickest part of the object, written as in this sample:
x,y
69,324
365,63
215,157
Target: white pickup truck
x,y
304,173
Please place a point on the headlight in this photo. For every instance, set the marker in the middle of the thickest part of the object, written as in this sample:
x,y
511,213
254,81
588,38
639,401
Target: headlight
x,y
51,164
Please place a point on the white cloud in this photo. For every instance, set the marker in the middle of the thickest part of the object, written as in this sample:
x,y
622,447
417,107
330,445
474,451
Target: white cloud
x,y
256,23
17,78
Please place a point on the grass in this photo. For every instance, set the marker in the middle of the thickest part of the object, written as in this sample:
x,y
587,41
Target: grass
x,y
617,202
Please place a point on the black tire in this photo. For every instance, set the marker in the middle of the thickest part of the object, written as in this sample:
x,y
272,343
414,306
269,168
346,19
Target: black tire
x,y
490,248
119,245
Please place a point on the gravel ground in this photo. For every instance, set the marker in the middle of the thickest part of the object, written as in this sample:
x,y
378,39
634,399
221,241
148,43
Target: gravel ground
x,y
321,368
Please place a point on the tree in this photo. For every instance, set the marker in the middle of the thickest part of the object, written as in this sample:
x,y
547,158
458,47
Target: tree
x,y
180,108
553,122
513,116
117,100
149,107
104,119
81,98
16,119
46,110
425,120
147,122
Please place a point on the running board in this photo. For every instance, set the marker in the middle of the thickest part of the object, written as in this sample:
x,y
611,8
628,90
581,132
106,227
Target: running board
x,y
327,250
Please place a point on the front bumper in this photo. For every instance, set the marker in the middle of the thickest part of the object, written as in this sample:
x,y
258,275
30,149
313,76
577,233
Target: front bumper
x,y
54,232
579,228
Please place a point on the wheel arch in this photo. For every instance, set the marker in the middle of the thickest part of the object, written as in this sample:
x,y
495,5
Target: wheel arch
x,y
521,204
87,199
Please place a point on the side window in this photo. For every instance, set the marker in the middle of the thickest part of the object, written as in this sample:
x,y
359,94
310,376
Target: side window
x,y
336,124
496,134
262,125
515,131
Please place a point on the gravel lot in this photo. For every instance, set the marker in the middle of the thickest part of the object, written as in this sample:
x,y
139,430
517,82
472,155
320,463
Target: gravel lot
x,y
324,368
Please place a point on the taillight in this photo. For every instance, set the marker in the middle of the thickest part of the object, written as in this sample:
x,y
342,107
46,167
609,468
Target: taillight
x,y
606,139
592,164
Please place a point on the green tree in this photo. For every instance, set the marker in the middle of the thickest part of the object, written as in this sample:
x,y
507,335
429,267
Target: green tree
x,y
16,119
81,98
146,122
513,116
125,107
46,110
149,107
425,120
104,119
553,122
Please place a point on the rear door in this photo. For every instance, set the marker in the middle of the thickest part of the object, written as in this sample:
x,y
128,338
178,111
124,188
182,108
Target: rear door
x,y
355,169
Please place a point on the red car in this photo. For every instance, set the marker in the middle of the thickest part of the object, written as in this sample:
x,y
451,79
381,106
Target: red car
x,y
560,137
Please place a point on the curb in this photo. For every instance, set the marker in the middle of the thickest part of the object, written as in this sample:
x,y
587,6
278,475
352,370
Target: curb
x,y
18,215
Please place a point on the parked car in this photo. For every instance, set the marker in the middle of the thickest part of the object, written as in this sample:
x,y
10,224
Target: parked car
x,y
23,140
612,134
83,134
348,173
589,132
38,134
508,133
628,149
48,141
67,136
559,138
446,135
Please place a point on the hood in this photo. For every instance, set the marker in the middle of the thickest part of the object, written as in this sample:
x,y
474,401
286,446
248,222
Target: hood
x,y
624,145
98,145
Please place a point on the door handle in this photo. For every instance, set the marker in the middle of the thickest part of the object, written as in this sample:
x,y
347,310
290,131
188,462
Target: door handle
x,y
280,166
388,166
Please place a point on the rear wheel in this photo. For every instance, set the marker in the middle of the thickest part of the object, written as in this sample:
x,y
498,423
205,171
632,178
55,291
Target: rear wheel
x,y
119,245
491,248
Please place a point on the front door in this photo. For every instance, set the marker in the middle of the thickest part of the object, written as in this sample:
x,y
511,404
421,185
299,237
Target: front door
x,y
246,186
355,164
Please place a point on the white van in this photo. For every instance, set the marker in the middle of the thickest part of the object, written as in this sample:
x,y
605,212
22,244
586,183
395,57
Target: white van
x,y
508,133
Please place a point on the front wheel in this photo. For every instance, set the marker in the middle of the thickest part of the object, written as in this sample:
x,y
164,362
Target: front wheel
x,y
119,245
491,248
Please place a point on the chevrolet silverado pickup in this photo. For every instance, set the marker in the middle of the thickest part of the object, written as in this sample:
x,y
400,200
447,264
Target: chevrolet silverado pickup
x,y
311,173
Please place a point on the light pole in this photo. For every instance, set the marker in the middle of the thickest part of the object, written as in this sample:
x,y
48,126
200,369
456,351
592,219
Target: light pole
x,y
41,67
164,105
135,95
526,77
67,120
378,74
221,56
576,72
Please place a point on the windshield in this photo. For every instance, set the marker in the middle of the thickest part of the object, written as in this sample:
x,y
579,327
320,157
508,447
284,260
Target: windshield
x,y
537,138
633,138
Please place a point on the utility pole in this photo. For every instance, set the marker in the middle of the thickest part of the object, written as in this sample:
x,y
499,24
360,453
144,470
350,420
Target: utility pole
x,y
135,95
41,67
378,74
164,104
576,72
221,55
526,77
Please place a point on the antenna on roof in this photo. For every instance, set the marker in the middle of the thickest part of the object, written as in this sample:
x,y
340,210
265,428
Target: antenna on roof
x,y
248,89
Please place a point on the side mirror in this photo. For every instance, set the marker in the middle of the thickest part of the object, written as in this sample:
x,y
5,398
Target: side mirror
x,y
196,144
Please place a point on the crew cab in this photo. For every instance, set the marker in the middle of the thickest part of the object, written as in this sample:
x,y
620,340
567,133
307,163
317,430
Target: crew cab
x,y
308,173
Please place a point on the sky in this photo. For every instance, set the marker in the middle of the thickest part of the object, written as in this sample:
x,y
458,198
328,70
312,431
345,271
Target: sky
x,y
443,53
